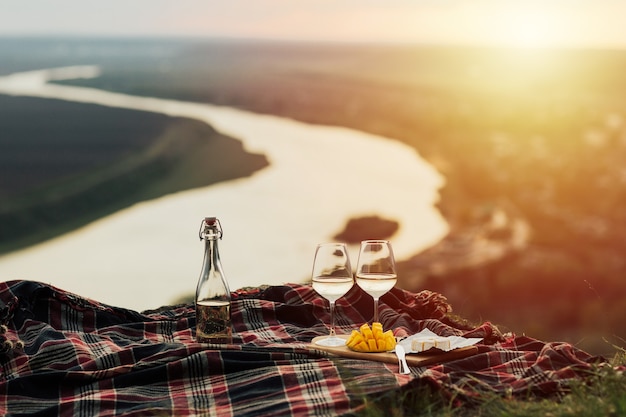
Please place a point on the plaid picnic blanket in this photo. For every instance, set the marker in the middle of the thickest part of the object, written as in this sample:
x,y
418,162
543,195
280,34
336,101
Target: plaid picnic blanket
x,y
65,355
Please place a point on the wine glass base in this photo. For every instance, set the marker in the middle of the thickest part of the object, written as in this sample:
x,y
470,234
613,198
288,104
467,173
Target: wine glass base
x,y
331,341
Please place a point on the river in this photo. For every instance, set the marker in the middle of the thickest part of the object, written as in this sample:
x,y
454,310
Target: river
x,y
319,177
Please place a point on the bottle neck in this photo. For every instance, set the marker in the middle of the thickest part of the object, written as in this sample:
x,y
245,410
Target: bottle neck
x,y
211,252
212,282
211,234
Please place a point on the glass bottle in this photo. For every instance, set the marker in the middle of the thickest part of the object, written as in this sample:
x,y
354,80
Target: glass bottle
x,y
213,321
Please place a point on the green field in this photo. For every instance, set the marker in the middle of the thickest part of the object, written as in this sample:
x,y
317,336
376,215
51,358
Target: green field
x,y
54,178
538,134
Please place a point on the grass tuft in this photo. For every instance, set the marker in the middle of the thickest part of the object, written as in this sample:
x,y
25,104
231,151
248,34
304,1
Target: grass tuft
x,y
602,393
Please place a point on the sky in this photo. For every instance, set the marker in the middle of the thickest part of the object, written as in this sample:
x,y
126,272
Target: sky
x,y
524,23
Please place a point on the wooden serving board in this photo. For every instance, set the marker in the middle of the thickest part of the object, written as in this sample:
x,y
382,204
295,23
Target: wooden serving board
x,y
429,357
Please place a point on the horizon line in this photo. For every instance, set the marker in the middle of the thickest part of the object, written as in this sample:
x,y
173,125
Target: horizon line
x,y
305,41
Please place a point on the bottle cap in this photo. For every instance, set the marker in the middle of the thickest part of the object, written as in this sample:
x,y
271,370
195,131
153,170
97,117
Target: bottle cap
x,y
210,224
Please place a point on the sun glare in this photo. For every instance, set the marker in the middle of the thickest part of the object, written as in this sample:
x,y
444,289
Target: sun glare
x,y
531,31
530,27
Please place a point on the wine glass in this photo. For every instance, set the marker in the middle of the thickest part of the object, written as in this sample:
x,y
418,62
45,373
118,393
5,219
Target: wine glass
x,y
376,269
332,278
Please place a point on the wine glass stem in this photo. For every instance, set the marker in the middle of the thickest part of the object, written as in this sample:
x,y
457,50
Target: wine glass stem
x,y
375,309
332,318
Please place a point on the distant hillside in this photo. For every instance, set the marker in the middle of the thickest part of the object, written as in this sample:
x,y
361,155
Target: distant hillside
x,y
54,179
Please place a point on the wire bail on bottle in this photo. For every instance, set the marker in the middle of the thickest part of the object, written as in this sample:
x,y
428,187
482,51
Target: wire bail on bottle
x,y
209,227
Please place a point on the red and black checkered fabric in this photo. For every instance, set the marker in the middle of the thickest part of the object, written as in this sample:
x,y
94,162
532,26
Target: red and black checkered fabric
x,y
65,355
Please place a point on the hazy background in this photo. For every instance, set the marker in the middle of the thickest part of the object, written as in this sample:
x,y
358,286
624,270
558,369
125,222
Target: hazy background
x,y
518,104
494,22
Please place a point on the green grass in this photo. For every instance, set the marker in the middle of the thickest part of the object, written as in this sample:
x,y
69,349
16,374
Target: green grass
x,y
602,393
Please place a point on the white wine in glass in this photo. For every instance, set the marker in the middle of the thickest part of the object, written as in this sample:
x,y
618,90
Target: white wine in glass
x,y
332,278
376,269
